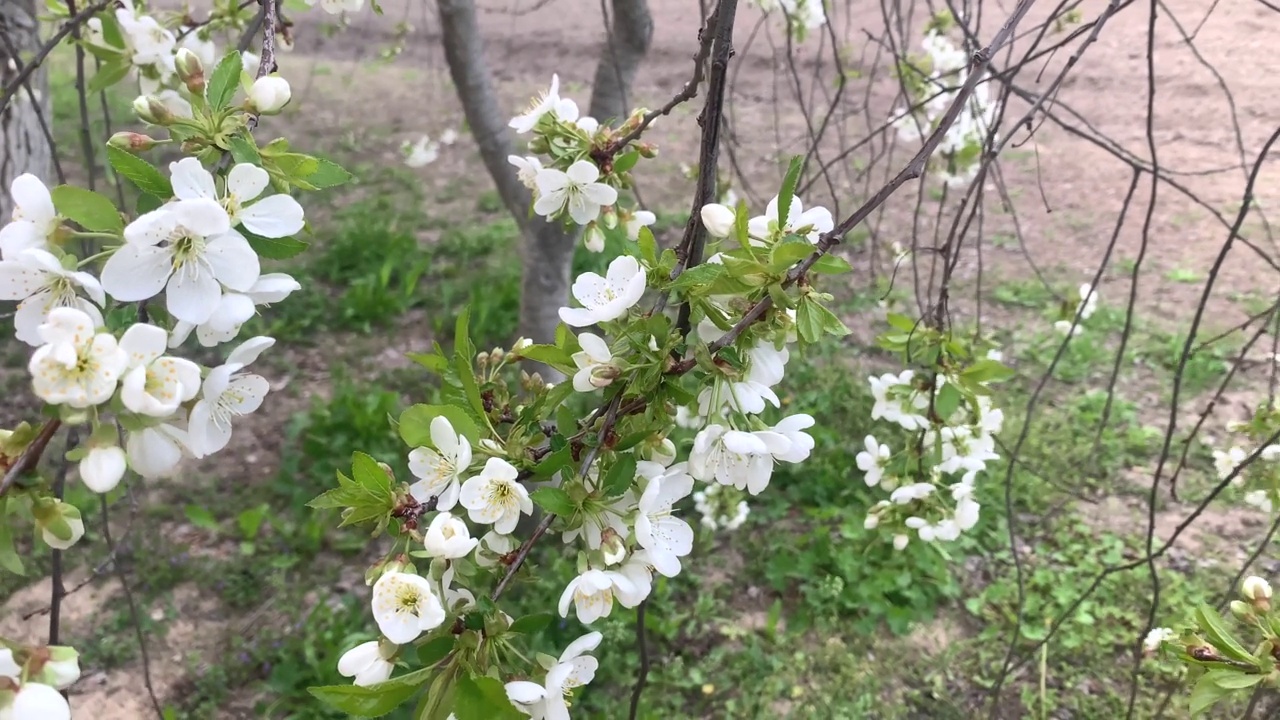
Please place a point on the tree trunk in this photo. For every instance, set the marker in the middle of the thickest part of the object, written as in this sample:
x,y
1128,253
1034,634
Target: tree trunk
x,y
547,250
23,145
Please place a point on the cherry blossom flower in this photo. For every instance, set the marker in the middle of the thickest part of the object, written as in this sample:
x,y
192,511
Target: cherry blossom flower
x,y
155,384
731,457
596,368
636,220
227,393
188,248
718,219
405,606
666,537
36,701
447,537
102,468
439,471
421,153
154,452
575,189
872,460
34,217
495,497
592,593
274,216
572,670
814,221
234,310
606,298
493,545
76,366
365,664
547,102
526,169
38,280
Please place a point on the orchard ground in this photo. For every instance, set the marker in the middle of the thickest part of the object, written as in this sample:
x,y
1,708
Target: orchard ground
x,y
246,597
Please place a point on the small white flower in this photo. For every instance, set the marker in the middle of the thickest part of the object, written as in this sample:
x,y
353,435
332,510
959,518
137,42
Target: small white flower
x,y
36,701
592,593
1260,499
719,220
900,542
666,537
447,537
575,189
747,397
227,393
269,94
405,606
449,136
1088,301
155,384
420,154
76,366
102,468
526,170
912,492
274,216
154,452
495,497
34,217
595,364
1157,637
439,471
493,546
548,102
731,457
38,280
800,443
188,248
365,663
639,219
234,310
1226,463
872,461
606,298
814,221
205,51
898,401
1255,588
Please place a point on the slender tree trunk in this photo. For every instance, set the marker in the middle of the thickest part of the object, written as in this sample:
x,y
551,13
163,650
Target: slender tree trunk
x,y
547,250
23,145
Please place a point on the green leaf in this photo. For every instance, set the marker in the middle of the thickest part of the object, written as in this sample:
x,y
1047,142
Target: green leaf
x,y
222,83
626,161
295,166
788,190
90,210
9,559
902,322
140,173
530,624
274,248
483,698
790,251
1236,680
809,321
328,174
147,202
987,370
434,362
464,350
831,265
620,476
648,246
948,401
1206,693
245,150
369,475
549,355
554,500
375,700
436,650
1211,623
415,424
108,74
704,274
201,517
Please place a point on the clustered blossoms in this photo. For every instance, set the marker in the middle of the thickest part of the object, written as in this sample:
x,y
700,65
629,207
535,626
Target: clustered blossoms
x,y
718,508
1260,479
932,82
950,424
108,296
1076,311
31,681
1222,658
572,186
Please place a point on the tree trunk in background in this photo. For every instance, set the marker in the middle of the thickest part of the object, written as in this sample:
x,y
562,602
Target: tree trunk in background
x,y
23,146
547,251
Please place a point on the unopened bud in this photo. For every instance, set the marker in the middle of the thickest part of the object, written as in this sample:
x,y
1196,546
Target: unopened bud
x,y
132,141
718,219
647,151
593,238
190,70
482,358
609,217
269,94
1241,610
604,375
1257,591
60,523
613,548
496,355
151,109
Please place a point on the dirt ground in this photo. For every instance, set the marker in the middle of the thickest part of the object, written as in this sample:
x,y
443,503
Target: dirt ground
x,y
1066,193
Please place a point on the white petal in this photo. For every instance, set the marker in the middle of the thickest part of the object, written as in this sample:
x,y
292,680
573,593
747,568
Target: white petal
x,y
136,272
249,350
191,180
151,228
276,216
234,262
192,295
247,181
202,216
143,343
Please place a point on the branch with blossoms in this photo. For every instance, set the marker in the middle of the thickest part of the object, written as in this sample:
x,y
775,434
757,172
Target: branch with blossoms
x,y
109,294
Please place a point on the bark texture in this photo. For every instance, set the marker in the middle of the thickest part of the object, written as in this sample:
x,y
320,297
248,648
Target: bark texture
x,y
23,145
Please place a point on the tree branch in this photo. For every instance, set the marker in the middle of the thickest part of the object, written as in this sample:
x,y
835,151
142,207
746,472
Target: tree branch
x,y
73,23
31,456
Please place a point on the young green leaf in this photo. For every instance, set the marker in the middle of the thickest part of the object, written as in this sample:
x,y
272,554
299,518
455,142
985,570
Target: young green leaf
x,y
788,191
90,210
1211,623
620,476
109,74
415,424
140,173
483,698
554,500
370,476
530,624
9,559
223,82
374,700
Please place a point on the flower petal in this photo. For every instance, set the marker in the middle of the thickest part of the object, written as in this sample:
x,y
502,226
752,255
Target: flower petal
x,y
191,181
247,181
136,272
273,217
234,262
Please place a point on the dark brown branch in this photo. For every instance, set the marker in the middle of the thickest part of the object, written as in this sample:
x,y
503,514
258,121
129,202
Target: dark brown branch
x,y
31,456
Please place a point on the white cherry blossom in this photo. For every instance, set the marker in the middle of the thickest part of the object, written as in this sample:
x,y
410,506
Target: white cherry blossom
x,y
365,664
155,384
872,461
547,102
273,216
495,496
405,606
731,457
34,217
639,219
154,452
575,189
188,248
227,393
526,169
447,537
666,537
234,310
596,368
592,593
606,298
814,221
36,278
102,468
439,470
76,366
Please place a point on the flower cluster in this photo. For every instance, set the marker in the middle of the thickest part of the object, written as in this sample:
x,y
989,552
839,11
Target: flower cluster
x,y
31,681
719,509
1260,480
932,82
930,470
575,184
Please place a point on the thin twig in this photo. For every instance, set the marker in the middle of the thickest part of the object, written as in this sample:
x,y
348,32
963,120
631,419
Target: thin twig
x,y
643,674
72,24
31,456
133,611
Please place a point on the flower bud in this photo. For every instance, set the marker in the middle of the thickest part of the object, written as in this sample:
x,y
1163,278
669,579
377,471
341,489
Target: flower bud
x,y
151,109
593,238
1241,610
900,542
718,219
648,151
102,468
520,344
268,95
496,355
1258,591
60,523
190,71
871,523
603,375
613,548
132,141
